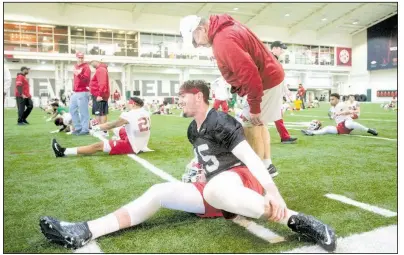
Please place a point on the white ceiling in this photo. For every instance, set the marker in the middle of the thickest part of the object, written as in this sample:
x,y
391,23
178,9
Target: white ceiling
x,y
321,17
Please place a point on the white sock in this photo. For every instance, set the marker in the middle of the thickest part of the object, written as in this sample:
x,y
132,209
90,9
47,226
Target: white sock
x,y
71,151
267,162
103,226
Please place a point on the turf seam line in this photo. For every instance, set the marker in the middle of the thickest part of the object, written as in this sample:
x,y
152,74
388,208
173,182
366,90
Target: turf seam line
x,y
364,206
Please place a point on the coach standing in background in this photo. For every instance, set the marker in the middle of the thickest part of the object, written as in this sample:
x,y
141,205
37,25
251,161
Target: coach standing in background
x,y
302,94
277,48
99,88
23,97
7,82
79,100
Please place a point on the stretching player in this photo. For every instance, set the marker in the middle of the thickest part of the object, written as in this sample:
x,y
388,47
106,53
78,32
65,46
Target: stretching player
x,y
237,181
354,107
342,116
134,137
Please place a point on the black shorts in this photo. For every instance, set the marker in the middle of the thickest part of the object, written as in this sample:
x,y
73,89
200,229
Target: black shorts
x,y
99,108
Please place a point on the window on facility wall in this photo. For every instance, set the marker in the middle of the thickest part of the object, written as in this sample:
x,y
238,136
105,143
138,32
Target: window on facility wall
x,y
325,56
61,30
314,55
77,31
332,55
78,48
45,29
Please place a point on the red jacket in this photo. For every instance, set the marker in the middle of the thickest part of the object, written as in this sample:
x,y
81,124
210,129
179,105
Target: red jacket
x,y
99,85
301,91
244,61
82,81
21,81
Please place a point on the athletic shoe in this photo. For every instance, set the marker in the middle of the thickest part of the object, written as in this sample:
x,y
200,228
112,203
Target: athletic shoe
x,y
26,122
372,131
21,124
57,149
70,235
76,132
83,133
309,226
288,141
307,132
272,170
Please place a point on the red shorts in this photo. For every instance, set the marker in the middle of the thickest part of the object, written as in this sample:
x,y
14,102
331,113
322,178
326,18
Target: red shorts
x,y
248,180
342,130
121,146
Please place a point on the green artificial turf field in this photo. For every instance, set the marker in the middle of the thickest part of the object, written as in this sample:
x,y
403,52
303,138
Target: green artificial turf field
x,y
83,188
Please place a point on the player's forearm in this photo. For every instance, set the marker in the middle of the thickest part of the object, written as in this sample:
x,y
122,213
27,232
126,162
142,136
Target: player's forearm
x,y
245,153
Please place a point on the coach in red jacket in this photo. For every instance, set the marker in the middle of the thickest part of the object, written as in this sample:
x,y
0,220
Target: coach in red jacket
x,y
23,97
249,67
80,97
99,89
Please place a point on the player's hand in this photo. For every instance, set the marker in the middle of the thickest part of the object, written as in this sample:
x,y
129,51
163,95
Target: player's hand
x,y
99,99
255,119
278,208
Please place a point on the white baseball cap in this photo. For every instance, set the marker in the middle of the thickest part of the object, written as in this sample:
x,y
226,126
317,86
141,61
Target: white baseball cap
x,y
188,25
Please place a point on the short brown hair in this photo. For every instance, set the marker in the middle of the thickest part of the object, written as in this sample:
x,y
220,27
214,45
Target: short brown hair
x,y
195,86
335,95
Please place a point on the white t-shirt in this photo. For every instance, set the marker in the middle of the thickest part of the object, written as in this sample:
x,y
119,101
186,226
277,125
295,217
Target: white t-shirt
x,y
220,89
340,107
138,129
67,118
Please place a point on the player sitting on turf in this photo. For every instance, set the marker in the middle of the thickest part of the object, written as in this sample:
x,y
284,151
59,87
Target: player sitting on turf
x,y
354,107
238,183
134,136
342,116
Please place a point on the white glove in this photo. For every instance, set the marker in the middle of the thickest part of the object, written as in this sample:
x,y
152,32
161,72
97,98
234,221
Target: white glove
x,y
56,131
48,119
96,129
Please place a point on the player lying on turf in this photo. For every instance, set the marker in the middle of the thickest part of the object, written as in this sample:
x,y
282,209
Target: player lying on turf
x,y
134,136
238,183
65,123
342,116
354,107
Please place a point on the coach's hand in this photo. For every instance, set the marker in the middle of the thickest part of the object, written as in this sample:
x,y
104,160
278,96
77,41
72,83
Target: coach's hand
x,y
255,119
99,99
278,206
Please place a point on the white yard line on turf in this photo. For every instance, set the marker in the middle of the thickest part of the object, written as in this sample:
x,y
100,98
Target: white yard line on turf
x,y
91,247
380,240
250,226
367,207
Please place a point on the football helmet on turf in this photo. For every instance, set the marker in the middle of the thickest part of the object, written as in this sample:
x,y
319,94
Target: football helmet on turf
x,y
314,125
194,172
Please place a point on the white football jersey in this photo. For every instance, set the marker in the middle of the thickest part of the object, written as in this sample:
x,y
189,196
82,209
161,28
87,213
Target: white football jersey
x,y
353,106
138,129
340,107
220,89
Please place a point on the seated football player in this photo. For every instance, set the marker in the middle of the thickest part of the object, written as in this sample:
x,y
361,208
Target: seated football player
x,y
237,183
354,107
342,116
134,136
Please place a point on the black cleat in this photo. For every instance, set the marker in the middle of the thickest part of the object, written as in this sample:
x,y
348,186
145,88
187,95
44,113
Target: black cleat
x,y
69,235
26,122
309,226
57,149
307,132
288,141
21,124
272,170
372,131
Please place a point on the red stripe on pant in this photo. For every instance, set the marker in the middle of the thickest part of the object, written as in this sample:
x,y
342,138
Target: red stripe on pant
x,y
283,132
